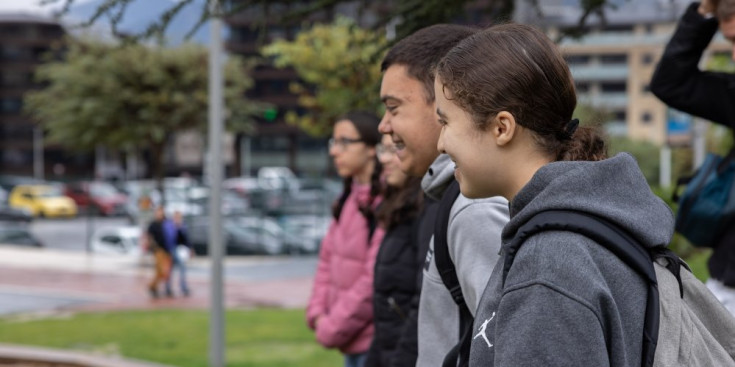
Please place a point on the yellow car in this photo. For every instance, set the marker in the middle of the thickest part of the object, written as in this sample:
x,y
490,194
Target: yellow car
x,y
42,200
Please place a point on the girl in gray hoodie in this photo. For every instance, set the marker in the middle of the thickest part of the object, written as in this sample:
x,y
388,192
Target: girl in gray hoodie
x,y
505,99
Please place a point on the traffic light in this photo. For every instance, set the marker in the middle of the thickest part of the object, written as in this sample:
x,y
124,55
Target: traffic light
x,y
270,114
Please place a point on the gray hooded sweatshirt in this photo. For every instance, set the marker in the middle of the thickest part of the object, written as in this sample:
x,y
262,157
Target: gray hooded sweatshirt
x,y
567,301
473,238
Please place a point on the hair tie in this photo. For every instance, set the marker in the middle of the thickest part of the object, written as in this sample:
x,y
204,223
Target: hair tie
x,y
569,130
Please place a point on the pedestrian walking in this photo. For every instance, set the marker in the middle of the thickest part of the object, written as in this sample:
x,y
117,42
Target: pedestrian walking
x,y
158,244
181,251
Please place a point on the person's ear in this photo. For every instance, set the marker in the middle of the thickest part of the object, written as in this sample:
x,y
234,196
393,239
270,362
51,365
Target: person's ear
x,y
504,128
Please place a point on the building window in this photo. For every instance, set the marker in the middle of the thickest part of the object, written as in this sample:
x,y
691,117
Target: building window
x,y
13,30
619,115
17,157
583,87
10,106
646,118
307,143
613,59
13,53
52,32
18,131
577,59
13,79
271,143
612,87
647,59
40,52
278,86
244,35
276,33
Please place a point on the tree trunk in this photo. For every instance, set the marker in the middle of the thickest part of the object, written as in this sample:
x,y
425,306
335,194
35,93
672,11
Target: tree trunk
x,y
157,150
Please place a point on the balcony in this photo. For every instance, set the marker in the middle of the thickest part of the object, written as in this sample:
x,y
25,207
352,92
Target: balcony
x,y
599,73
615,101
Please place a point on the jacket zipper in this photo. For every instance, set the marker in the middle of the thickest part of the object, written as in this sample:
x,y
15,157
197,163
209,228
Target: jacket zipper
x,y
394,306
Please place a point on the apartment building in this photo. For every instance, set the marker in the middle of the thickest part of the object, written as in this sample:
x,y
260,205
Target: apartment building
x,y
24,42
613,63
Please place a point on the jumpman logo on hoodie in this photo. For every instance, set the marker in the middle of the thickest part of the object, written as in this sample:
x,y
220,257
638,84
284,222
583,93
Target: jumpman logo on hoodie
x,y
482,331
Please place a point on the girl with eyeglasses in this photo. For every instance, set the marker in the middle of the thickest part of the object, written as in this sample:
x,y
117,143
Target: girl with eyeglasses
x,y
340,307
396,282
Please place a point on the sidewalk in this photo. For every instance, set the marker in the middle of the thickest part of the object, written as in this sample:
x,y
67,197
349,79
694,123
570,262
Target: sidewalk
x,y
44,280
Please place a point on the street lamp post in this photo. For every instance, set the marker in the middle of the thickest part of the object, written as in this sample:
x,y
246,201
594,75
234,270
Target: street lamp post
x,y
215,170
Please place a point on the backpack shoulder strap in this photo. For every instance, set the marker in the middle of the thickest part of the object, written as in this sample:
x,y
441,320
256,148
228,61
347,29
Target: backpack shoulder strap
x,y
459,354
613,239
443,261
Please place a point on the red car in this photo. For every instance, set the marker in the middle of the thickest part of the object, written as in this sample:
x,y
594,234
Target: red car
x,y
98,196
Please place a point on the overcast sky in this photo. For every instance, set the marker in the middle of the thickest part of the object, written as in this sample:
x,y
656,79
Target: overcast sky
x,y
28,6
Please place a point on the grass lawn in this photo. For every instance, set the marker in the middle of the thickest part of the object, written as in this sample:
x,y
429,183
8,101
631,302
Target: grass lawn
x,y
179,337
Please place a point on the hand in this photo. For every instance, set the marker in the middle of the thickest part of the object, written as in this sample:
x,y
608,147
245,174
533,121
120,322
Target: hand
x,y
707,7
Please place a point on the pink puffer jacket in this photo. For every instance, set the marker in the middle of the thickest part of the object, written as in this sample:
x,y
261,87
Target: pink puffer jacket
x,y
343,285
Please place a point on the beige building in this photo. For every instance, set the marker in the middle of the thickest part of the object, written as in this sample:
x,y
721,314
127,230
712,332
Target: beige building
x,y
613,64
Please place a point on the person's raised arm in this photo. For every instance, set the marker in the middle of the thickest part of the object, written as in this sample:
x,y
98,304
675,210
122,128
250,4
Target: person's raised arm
x,y
680,83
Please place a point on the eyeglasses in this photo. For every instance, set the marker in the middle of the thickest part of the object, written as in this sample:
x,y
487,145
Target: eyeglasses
x,y
342,143
382,149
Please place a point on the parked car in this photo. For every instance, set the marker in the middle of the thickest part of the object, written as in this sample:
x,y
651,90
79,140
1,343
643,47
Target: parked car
x,y
270,228
178,197
277,178
262,199
308,229
19,235
117,241
9,214
242,236
42,200
232,202
98,196
8,182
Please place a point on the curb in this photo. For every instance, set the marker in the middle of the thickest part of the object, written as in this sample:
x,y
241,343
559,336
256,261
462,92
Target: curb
x,y
14,354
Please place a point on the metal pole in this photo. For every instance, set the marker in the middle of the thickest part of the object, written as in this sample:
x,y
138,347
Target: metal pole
x,y
664,179
215,167
699,143
38,153
245,156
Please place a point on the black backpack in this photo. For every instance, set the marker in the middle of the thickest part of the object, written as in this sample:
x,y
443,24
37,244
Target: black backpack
x,y
448,273
599,230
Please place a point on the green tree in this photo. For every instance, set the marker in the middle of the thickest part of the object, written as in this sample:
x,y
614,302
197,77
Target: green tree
x,y
338,68
133,96
643,151
411,14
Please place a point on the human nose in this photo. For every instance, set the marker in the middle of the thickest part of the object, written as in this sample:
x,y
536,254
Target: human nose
x,y
385,127
440,142
384,158
334,149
